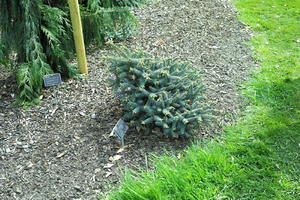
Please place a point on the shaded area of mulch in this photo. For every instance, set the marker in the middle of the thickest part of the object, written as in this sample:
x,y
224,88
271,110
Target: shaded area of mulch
x,y
61,148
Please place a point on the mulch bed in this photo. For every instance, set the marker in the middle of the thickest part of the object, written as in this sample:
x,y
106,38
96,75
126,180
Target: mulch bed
x,y
61,149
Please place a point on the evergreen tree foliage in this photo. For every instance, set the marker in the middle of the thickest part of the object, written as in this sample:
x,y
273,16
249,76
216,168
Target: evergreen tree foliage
x,y
159,95
40,34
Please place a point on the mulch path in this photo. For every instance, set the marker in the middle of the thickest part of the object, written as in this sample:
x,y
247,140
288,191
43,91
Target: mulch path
x,y
61,149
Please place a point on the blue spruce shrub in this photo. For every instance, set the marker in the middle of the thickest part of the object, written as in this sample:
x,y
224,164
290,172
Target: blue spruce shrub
x,y
158,95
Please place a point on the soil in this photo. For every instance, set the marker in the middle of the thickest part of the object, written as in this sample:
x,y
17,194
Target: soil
x,y
61,149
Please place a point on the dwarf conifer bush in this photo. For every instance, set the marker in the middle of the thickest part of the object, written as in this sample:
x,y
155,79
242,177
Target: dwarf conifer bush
x,y
159,95
39,33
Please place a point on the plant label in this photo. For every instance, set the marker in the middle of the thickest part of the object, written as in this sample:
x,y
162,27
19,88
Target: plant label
x,y
52,80
120,129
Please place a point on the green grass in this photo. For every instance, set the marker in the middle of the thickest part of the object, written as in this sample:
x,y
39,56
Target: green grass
x,y
259,158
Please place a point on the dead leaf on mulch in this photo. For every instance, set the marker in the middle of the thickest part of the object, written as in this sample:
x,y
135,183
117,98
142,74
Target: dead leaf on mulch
x,y
108,174
159,43
120,150
108,165
61,154
115,158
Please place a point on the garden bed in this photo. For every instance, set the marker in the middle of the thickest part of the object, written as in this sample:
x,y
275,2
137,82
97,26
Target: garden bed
x,y
61,149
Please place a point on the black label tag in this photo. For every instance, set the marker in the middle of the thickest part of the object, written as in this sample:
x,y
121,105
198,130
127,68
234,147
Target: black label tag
x,y
52,80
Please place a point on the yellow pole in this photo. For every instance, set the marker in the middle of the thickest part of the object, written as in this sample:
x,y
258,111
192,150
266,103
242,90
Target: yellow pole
x,y
78,36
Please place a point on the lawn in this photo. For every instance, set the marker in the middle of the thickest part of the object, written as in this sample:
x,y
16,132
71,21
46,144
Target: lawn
x,y
259,157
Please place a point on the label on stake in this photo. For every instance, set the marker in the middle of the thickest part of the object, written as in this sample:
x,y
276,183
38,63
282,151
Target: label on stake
x,y
120,129
52,80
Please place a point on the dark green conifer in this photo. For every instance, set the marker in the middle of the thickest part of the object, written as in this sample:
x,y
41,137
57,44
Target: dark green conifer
x,y
39,34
